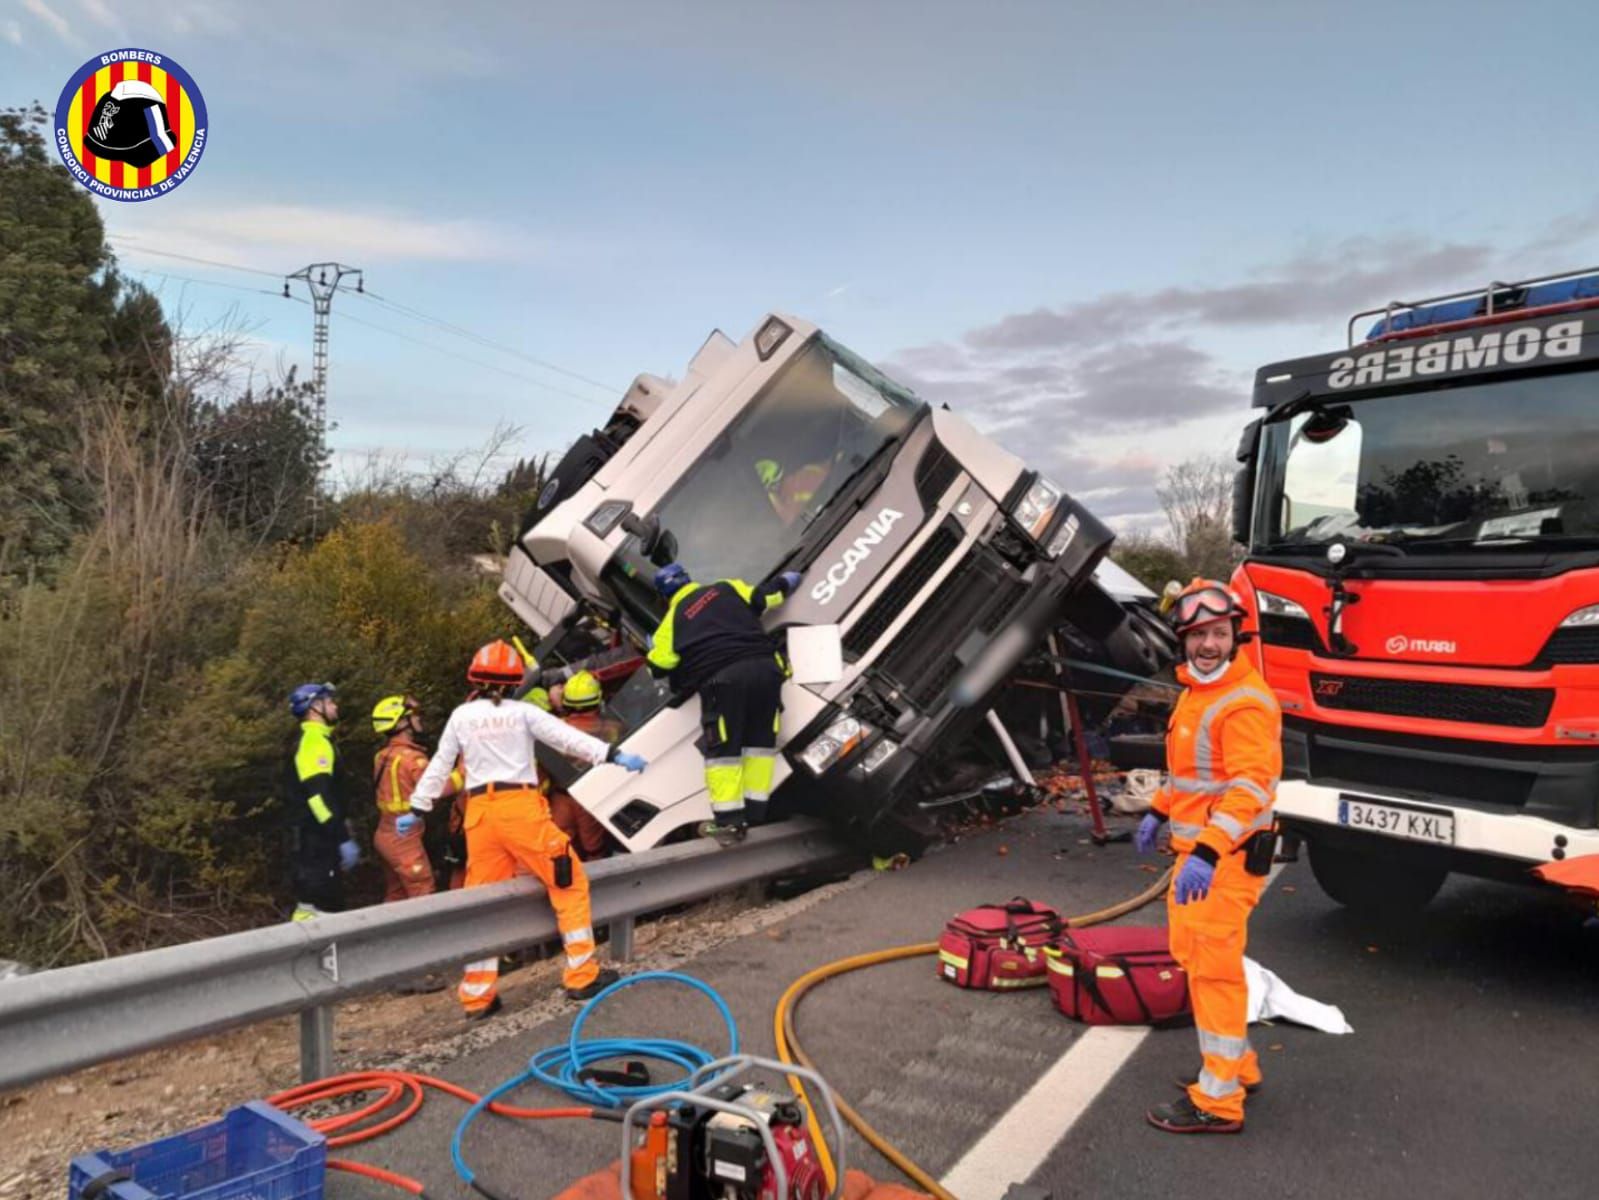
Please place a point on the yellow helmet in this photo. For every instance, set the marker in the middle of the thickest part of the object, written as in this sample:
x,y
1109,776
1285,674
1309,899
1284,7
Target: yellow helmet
x,y
769,470
582,691
390,711
539,698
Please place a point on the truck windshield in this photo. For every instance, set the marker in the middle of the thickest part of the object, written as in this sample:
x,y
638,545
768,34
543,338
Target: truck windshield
x,y
1488,466
744,506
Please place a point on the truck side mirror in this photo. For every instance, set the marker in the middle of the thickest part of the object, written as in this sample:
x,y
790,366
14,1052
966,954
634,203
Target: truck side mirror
x,y
1244,482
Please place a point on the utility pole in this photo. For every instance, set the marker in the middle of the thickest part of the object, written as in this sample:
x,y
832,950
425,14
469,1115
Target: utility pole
x,y
323,280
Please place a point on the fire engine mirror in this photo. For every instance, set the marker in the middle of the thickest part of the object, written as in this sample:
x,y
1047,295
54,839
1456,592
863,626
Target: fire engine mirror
x,y
816,653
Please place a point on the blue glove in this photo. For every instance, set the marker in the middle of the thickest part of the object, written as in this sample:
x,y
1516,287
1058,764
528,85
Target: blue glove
x,y
631,762
790,580
1193,881
1148,830
406,822
349,855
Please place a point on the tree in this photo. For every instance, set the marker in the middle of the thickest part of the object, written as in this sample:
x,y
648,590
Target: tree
x,y
1151,561
260,459
70,328
1197,496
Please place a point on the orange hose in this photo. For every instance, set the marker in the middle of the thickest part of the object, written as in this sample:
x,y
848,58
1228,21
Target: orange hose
x,y
404,1088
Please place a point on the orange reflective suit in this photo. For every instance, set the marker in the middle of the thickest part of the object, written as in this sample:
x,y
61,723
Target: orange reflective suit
x,y
588,836
1224,755
797,489
395,771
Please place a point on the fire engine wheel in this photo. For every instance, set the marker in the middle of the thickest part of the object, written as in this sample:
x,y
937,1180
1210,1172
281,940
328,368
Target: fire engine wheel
x,y
1370,881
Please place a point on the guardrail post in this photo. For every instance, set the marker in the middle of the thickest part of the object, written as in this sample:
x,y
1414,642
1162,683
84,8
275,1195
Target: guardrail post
x,y
622,940
316,1043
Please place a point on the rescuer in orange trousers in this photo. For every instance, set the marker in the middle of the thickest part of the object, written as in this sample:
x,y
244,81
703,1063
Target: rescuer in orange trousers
x,y
395,771
1224,756
507,818
581,699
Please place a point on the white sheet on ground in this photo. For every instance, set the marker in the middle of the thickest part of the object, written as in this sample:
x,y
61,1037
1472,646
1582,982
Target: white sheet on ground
x,y
1270,999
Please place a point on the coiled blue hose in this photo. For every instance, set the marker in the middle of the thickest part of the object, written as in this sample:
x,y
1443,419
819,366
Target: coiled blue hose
x,y
561,1067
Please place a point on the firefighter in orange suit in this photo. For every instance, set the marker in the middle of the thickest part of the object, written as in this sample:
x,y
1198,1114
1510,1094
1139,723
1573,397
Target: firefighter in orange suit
x,y
395,771
507,817
1224,756
581,699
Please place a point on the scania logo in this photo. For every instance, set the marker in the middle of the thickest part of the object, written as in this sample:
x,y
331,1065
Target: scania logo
x,y
1399,644
854,555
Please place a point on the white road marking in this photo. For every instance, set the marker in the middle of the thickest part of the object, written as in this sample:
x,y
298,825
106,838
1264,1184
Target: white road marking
x,y
1022,1139
1018,1143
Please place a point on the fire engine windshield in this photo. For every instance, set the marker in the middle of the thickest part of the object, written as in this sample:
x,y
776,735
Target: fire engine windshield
x,y
804,441
1501,464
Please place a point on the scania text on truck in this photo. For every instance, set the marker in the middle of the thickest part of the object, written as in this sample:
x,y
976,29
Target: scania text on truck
x,y
931,559
1421,512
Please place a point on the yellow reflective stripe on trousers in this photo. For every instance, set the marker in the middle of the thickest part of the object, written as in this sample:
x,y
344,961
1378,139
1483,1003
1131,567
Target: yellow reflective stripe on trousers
x,y
319,809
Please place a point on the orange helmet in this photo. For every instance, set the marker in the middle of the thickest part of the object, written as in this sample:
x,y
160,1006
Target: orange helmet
x,y
497,662
1202,602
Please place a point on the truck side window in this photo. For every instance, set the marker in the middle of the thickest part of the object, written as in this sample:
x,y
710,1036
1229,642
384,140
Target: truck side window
x,y
1321,476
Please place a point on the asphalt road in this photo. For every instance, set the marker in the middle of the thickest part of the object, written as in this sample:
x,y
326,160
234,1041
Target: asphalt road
x,y
1472,1070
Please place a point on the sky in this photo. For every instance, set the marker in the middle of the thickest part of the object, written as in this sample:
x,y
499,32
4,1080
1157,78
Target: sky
x,y
1082,225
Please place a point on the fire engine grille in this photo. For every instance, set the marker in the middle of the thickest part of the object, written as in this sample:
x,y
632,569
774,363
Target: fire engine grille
x,y
1523,708
1571,646
934,552
934,473
924,660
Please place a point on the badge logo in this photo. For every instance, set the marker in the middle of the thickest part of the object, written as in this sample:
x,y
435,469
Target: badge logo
x,y
130,125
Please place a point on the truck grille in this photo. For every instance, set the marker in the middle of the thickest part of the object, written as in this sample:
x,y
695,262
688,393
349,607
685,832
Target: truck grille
x,y
1523,708
979,596
934,473
934,552
1570,646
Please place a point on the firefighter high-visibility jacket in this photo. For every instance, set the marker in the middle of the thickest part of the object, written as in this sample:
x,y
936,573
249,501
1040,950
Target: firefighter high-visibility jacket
x,y
1224,755
709,626
316,802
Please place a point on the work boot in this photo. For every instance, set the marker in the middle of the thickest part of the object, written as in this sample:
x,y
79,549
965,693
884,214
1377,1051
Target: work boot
x,y
727,835
483,1014
606,977
1249,1088
1180,1116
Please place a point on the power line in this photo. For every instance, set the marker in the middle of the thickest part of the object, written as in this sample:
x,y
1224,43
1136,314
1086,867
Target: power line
x,y
209,262
476,362
235,287
418,315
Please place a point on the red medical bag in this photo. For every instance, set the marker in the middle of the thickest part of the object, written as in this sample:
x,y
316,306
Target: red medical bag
x,y
998,947
1118,975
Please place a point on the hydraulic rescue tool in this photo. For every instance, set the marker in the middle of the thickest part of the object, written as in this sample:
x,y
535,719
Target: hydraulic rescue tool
x,y
730,1135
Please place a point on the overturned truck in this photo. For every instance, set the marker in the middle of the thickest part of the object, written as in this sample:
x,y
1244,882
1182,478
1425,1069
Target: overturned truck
x,y
932,561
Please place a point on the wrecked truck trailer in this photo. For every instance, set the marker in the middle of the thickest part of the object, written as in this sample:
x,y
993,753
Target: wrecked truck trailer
x,y
932,561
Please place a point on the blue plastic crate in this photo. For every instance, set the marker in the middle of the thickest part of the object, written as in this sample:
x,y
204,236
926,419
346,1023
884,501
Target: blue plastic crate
x,y
254,1152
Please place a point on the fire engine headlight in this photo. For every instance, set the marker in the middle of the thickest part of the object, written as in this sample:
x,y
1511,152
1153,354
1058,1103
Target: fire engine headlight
x,y
1036,508
878,755
837,740
1583,618
1280,606
607,517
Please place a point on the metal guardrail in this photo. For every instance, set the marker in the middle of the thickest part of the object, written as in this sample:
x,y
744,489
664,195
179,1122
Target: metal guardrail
x,y
58,1021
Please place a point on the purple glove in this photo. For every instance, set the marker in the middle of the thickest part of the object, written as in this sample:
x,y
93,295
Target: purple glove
x,y
1193,881
406,822
1148,831
349,855
790,580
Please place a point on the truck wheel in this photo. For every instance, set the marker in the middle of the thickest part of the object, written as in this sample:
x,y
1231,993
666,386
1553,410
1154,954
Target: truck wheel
x,y
1373,882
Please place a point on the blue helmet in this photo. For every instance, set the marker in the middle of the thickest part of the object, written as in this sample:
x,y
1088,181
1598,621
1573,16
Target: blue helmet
x,y
303,697
670,578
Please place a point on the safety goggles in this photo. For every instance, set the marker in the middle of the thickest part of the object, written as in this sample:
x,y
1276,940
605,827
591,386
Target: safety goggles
x,y
1204,605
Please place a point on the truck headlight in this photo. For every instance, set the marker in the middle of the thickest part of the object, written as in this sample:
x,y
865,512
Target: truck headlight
x,y
1583,618
1036,508
1281,606
837,740
878,755
607,517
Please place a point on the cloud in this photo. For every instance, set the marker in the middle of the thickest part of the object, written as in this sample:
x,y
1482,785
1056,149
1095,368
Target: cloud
x,y
285,236
12,32
100,13
58,24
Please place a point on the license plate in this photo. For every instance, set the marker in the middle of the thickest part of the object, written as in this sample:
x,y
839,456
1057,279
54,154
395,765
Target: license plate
x,y
1398,820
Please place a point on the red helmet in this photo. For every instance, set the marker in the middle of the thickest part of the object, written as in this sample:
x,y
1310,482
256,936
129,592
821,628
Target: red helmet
x,y
1202,602
498,662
